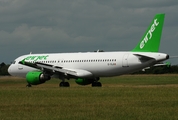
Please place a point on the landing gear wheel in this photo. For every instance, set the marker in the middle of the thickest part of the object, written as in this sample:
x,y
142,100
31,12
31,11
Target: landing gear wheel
x,y
28,85
96,84
99,84
64,84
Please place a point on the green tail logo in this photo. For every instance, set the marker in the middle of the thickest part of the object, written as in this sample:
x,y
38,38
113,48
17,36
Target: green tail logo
x,y
151,40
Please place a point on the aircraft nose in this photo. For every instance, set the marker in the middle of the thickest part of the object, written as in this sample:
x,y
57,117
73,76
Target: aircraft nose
x,y
9,69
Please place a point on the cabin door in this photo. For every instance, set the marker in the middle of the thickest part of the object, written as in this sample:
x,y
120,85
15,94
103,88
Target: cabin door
x,y
125,60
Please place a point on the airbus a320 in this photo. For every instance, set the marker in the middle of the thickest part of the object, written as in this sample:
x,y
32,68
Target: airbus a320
x,y
87,68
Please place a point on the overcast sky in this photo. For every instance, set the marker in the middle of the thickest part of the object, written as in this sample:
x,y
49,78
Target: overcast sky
x,y
48,26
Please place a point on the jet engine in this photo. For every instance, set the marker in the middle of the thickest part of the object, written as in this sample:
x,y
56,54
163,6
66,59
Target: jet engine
x,y
82,81
37,77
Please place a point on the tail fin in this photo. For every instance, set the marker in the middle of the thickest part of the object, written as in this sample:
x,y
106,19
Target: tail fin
x,y
151,40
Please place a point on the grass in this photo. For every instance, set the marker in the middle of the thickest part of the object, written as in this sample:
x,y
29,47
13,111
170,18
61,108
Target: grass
x,y
133,97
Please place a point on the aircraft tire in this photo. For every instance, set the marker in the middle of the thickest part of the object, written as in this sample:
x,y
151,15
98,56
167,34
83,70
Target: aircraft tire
x,y
64,84
67,84
28,85
99,84
96,84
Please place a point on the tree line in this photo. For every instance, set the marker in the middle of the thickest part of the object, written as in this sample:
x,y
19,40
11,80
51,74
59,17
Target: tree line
x,y
3,69
152,70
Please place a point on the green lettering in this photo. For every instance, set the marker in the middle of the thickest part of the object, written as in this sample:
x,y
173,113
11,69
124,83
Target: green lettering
x,y
35,58
45,57
28,58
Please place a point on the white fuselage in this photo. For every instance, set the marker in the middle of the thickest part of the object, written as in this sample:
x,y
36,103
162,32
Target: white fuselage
x,y
100,64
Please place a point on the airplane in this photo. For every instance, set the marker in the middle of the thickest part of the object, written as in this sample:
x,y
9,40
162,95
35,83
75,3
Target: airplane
x,y
87,67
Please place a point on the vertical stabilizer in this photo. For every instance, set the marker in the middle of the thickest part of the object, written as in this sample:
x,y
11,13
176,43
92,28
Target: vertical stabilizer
x,y
151,40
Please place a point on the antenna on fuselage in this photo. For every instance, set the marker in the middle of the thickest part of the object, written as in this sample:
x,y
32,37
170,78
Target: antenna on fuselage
x,y
99,50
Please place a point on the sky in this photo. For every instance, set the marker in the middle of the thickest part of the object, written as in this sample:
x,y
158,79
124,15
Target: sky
x,y
59,26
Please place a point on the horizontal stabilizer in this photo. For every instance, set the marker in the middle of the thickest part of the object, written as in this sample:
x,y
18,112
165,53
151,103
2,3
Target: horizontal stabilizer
x,y
143,58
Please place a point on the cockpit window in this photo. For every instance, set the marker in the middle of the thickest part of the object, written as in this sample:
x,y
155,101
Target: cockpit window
x,y
14,62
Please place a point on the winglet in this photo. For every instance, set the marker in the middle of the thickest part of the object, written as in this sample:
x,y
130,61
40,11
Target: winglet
x,y
23,61
168,64
151,40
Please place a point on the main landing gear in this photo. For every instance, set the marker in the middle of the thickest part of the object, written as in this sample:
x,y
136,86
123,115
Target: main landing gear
x,y
93,82
64,84
28,85
96,84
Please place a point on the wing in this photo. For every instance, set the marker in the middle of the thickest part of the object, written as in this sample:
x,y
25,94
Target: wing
x,y
74,73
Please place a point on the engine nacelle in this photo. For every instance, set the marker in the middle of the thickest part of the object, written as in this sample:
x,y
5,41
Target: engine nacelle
x,y
36,77
82,81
